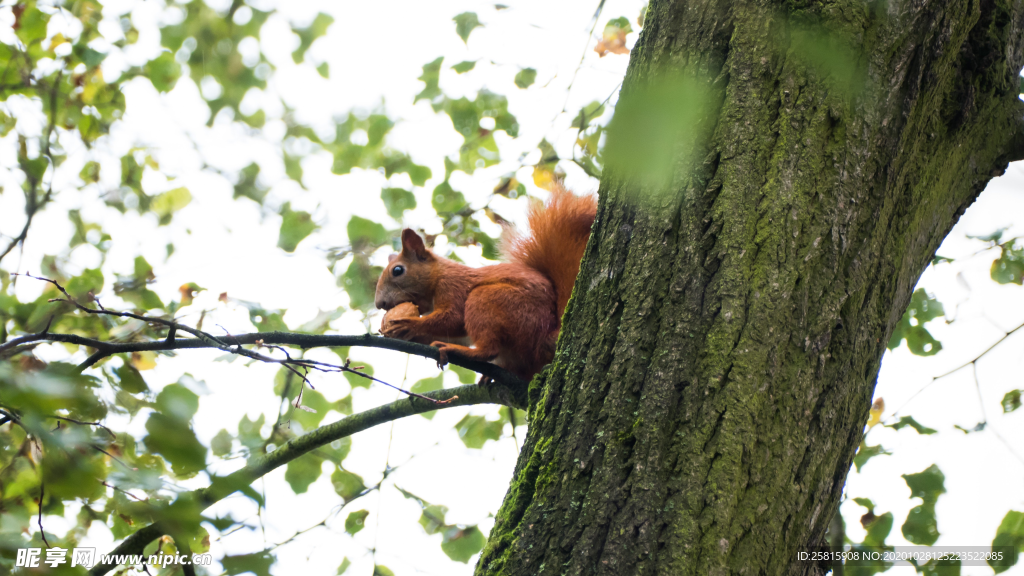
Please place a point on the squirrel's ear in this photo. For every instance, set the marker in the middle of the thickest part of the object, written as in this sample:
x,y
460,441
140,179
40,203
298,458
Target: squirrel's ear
x,y
413,245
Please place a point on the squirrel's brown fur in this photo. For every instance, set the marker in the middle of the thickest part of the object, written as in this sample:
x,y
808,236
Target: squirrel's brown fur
x,y
511,311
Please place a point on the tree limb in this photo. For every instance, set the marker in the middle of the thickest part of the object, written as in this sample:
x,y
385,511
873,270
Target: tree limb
x,y
305,341
262,464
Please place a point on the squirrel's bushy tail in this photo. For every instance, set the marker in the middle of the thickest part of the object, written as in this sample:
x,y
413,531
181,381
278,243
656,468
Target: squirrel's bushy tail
x,y
559,230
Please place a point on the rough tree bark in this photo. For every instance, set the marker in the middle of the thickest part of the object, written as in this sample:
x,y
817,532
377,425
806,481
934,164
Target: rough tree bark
x,y
718,358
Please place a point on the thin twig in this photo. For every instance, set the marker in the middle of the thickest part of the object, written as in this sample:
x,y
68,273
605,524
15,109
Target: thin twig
x,y
42,494
80,422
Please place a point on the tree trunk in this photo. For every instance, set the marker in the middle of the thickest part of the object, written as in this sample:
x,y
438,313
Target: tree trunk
x,y
717,361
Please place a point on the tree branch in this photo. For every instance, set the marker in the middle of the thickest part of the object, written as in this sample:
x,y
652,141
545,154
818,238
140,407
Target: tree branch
x,y
262,464
305,341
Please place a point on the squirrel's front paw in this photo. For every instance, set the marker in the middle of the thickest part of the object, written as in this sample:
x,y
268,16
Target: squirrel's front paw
x,y
401,328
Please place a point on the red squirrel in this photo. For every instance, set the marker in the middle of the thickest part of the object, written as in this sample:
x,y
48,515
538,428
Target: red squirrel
x,y
511,312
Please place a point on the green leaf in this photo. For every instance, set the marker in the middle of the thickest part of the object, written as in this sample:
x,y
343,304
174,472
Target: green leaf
x,y
163,71
221,443
89,281
474,431
397,201
921,527
295,226
364,234
1012,400
167,203
432,518
258,563
926,485
430,78
466,376
525,78
130,380
465,23
379,570
347,484
1009,267
923,308
428,385
309,34
878,529
460,544
345,563
172,438
865,453
355,521
249,431
178,402
1011,534
587,114
447,200
357,381
360,283
464,66
324,70
909,421
303,471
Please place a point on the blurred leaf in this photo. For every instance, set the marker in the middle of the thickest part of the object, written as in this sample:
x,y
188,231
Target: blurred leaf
x,y
865,453
295,226
1012,400
1010,533
258,563
309,34
379,570
588,114
303,471
466,376
220,445
428,385
363,233
347,484
430,78
130,380
163,71
525,78
360,283
613,37
397,201
178,402
464,66
249,431
1009,267
923,308
355,521
465,23
909,421
447,200
921,527
460,544
357,381
167,203
976,428
345,563
474,431
173,439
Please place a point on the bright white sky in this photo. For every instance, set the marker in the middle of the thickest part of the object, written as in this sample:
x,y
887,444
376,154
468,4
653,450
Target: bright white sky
x,y
375,51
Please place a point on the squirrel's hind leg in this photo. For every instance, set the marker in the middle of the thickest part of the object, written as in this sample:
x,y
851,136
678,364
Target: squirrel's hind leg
x,y
484,351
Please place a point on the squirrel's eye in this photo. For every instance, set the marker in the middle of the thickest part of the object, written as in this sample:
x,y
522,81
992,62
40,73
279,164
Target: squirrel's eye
x,y
398,270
